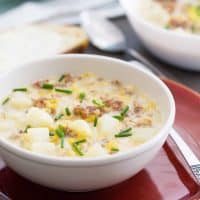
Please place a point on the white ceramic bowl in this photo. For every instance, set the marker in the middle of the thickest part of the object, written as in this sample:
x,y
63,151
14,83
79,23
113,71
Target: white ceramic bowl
x,y
180,49
85,174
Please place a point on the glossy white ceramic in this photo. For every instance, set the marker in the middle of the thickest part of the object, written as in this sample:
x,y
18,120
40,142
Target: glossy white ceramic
x,y
176,48
85,174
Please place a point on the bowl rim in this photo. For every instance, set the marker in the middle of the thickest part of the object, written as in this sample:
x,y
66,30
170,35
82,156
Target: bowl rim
x,y
100,160
168,33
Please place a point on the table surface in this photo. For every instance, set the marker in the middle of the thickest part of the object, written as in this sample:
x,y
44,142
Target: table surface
x,y
189,78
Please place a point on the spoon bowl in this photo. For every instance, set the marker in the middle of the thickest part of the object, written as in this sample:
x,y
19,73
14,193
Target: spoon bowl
x,y
102,33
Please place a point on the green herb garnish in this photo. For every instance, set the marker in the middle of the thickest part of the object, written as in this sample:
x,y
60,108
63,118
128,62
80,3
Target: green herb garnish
x,y
95,121
61,134
26,129
197,9
122,114
51,133
77,149
20,90
47,86
114,149
167,26
67,111
124,133
61,78
6,100
124,111
119,117
82,96
62,142
63,91
80,141
98,103
59,117
193,28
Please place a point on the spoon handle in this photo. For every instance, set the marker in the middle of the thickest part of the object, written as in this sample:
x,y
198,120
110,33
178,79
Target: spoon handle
x,y
3,196
144,61
189,156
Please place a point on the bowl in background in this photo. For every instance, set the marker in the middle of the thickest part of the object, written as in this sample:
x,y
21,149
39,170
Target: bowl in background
x,y
85,174
176,48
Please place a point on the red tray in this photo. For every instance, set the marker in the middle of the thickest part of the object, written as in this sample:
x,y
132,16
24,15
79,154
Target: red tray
x,y
167,177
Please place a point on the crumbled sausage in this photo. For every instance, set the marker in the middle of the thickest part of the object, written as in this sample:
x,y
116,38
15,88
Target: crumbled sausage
x,y
116,105
144,122
39,84
169,5
176,22
85,112
116,83
40,103
68,78
137,108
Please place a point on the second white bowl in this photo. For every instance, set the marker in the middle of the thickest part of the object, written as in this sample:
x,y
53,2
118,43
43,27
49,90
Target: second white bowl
x,y
180,49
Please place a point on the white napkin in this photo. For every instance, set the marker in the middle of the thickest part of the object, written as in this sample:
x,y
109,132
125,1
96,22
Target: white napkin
x,y
57,11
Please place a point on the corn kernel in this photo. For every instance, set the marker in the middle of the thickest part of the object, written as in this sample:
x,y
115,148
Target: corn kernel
x,y
54,139
71,140
90,118
193,15
111,144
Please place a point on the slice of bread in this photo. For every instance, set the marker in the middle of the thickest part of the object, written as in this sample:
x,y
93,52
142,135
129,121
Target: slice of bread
x,y
28,43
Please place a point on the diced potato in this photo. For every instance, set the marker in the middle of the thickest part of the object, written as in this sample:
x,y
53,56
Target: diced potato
x,y
95,150
39,134
38,118
43,148
20,100
6,125
107,126
33,136
16,116
81,128
6,128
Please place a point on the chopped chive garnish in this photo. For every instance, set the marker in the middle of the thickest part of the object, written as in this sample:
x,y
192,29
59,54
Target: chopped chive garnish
x,y
47,86
95,121
114,149
6,100
61,78
59,117
80,141
124,111
26,129
63,91
119,117
51,133
122,114
62,142
167,26
98,103
82,96
67,111
77,149
124,133
20,90
60,133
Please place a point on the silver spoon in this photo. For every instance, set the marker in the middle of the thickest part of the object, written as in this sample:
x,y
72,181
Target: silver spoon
x,y
106,36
